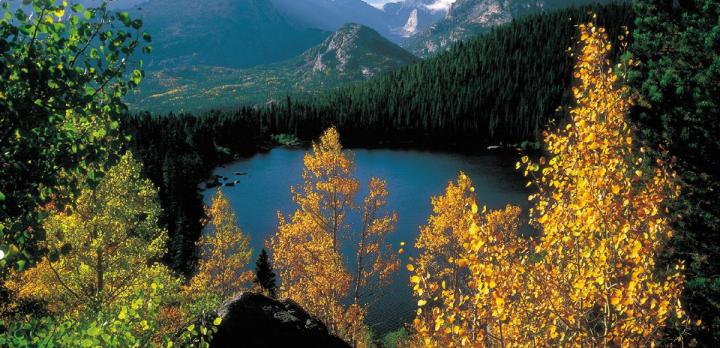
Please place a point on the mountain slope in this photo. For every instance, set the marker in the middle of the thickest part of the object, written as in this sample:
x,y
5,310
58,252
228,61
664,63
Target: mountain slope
x,y
225,33
353,53
332,14
468,18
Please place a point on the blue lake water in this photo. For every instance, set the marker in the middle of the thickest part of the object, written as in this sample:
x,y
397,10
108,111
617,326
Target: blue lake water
x,y
412,178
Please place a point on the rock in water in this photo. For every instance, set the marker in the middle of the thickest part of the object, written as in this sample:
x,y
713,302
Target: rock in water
x,y
254,320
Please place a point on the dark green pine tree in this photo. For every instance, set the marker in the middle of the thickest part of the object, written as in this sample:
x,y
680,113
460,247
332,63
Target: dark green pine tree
x,y
677,45
264,274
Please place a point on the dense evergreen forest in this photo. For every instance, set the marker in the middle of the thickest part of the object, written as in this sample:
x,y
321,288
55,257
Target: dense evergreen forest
x,y
678,83
502,87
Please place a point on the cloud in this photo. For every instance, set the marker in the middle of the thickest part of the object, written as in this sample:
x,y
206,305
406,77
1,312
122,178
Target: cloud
x,y
441,5
437,5
378,3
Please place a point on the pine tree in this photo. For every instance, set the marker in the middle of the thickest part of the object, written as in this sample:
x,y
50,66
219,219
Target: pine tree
x,y
264,274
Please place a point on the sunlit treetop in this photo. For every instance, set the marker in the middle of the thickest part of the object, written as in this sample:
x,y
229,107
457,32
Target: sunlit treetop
x,y
600,207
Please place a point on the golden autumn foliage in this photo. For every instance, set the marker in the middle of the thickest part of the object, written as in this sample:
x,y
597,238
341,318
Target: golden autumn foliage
x,y
102,249
307,246
221,271
600,208
225,253
590,279
468,277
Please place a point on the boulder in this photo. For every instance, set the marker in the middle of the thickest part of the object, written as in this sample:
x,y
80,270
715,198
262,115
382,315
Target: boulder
x,y
254,320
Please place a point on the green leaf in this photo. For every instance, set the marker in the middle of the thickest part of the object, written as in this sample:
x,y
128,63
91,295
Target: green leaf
x,y
93,331
124,17
217,321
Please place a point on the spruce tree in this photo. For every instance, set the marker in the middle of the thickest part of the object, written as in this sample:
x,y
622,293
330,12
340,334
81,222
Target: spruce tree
x,y
264,274
677,80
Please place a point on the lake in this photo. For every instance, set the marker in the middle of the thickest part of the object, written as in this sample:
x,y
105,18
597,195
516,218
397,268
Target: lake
x,y
412,178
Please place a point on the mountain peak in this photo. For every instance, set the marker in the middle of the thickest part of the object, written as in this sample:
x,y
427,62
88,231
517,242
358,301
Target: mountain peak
x,y
356,49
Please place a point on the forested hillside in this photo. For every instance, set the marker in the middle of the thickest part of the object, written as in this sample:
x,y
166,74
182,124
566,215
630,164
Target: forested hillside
x,y
481,92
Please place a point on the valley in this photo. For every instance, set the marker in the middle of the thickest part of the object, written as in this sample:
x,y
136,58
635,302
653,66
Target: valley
x,y
352,53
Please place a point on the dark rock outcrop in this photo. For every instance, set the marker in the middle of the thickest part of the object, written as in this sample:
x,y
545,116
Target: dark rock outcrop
x,y
254,320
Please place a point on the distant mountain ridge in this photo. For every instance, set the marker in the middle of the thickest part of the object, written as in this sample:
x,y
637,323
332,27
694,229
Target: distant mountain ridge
x,y
354,52
228,33
468,18
395,21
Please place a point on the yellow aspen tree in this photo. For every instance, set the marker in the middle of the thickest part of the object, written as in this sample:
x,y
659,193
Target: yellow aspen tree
x,y
496,254
439,283
468,277
102,249
375,261
225,253
307,248
311,271
600,210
